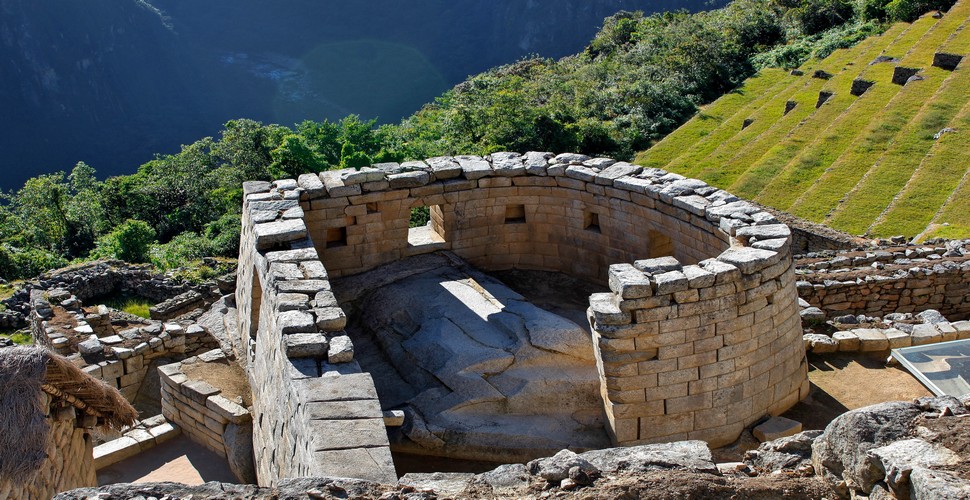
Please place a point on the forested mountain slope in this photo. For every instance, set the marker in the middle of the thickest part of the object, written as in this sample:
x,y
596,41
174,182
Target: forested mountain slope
x,y
112,82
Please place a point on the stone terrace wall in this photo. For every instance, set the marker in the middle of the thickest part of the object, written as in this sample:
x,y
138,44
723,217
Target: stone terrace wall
x,y
314,412
69,463
881,282
684,350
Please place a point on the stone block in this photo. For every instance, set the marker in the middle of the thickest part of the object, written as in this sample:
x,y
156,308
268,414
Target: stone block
x,y
871,339
474,167
295,322
305,345
406,180
628,282
775,428
341,350
898,338
848,341
963,329
270,234
345,434
348,387
198,390
342,410
670,282
698,277
227,410
749,260
330,319
926,334
658,265
444,167
372,464
605,311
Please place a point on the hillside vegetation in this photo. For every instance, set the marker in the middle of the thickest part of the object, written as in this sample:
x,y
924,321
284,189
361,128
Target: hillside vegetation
x,y
844,142
638,79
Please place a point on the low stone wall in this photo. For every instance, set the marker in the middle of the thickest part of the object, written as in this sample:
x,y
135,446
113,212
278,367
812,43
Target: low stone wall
x,y
142,437
177,306
207,417
884,339
881,282
68,464
677,340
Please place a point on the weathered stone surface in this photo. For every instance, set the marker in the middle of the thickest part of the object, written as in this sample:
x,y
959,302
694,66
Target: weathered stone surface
x,y
841,452
273,233
820,344
748,260
926,334
812,314
931,316
295,322
658,265
895,462
629,282
238,441
670,282
557,467
444,167
330,319
871,339
408,179
507,479
341,350
450,484
306,345
775,428
937,485
507,164
787,453
474,167
847,340
694,456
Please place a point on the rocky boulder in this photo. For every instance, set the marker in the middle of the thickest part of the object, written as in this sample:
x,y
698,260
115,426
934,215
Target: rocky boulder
x,y
792,453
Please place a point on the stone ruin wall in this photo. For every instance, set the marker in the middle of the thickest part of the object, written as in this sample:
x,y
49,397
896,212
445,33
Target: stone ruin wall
x,y
69,463
314,412
696,345
844,285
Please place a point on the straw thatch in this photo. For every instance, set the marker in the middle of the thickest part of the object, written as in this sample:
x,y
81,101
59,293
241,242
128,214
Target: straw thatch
x,y
26,372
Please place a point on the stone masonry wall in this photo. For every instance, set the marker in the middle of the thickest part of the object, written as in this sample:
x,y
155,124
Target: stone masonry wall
x,y
314,412
69,463
684,350
207,417
884,282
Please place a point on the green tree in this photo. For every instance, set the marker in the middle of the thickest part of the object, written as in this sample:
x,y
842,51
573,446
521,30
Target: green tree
x,y
350,157
129,242
294,157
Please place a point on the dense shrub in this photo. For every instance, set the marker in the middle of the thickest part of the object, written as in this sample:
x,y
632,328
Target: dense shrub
x,y
129,242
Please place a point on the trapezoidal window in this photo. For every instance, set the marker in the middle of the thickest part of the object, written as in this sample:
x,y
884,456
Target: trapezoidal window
x,y
426,227
336,237
515,214
660,244
591,222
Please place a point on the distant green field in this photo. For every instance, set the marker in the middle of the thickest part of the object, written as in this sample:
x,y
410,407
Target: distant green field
x,y
864,164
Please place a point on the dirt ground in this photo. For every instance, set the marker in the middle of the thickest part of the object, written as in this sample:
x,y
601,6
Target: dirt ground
x,y
843,382
179,460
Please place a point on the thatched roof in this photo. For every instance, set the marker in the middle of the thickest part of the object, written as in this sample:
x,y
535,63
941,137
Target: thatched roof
x,y
26,372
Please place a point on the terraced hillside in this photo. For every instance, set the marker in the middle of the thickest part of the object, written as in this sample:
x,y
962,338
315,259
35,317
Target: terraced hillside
x,y
871,140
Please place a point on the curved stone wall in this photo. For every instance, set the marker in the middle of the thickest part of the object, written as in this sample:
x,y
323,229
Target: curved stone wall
x,y
700,334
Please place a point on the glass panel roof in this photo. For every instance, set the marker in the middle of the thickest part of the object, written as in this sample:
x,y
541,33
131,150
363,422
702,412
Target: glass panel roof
x,y
943,368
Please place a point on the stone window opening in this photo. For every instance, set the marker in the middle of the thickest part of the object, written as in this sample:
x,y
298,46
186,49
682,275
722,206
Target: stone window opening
x,y
336,237
426,230
591,222
372,208
256,299
661,245
515,214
